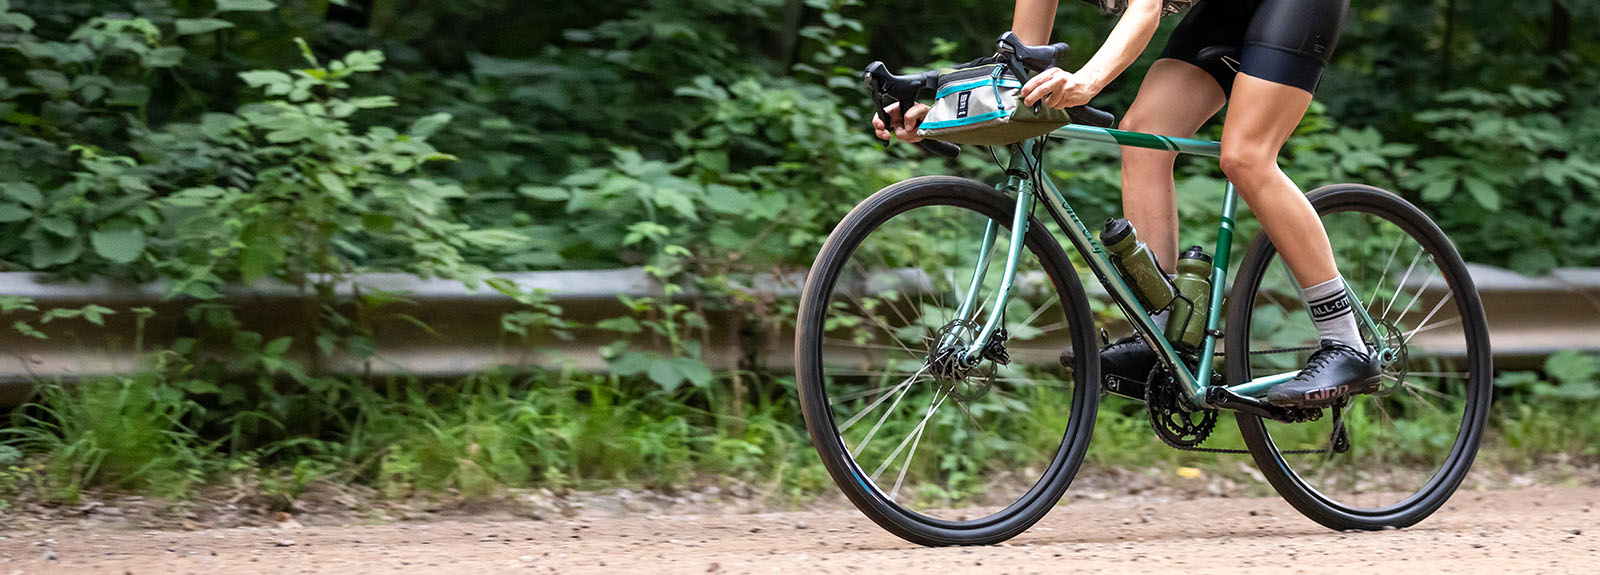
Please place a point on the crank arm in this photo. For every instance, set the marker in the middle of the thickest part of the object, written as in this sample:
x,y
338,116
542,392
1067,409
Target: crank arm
x,y
1221,398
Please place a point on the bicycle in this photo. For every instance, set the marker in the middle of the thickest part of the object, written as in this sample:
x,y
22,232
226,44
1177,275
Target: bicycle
x,y
907,335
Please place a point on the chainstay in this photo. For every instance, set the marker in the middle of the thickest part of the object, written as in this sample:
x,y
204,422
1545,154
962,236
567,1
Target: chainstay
x,y
1279,350
1220,450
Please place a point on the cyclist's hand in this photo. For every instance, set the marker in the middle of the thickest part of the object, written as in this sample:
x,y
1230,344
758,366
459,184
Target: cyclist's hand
x,y
1058,89
905,127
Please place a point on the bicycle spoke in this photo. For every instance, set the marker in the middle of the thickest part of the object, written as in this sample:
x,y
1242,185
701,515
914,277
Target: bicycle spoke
x,y
866,278
1401,284
1429,316
1040,311
1385,275
1445,323
879,321
843,397
1401,318
906,385
1438,374
916,432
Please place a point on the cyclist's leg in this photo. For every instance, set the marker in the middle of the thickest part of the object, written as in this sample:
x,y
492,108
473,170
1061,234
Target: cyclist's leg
x,y
1260,119
1175,99
1286,49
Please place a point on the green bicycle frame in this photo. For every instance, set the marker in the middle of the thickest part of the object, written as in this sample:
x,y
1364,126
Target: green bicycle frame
x,y
1024,157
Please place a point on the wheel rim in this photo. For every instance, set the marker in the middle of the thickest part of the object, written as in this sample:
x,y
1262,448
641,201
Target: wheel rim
x,y
953,452
1415,436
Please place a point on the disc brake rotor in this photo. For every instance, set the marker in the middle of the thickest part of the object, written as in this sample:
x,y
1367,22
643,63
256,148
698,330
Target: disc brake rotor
x,y
1395,365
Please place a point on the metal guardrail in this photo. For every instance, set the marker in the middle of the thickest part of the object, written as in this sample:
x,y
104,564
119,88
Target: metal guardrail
x,y
1529,318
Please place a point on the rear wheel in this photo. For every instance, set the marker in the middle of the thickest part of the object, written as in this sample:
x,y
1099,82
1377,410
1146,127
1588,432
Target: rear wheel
x,y
939,457
1391,458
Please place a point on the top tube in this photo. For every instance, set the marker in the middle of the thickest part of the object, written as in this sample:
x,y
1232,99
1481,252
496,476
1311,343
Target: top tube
x,y
1139,140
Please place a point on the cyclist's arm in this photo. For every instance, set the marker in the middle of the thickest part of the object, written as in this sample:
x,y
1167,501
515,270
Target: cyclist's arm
x,y
1059,89
1130,37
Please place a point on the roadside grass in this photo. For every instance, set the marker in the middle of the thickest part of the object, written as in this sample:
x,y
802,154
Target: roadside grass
x,y
477,438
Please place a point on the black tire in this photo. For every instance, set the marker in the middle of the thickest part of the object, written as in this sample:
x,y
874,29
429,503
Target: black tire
x,y
1046,491
1349,202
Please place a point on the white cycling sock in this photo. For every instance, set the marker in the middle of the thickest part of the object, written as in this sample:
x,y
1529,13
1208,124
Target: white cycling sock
x,y
1330,311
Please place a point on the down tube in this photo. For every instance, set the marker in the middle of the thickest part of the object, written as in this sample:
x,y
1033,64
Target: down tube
x,y
1122,294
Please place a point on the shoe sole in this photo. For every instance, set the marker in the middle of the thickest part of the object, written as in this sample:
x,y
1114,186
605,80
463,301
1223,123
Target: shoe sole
x,y
1325,397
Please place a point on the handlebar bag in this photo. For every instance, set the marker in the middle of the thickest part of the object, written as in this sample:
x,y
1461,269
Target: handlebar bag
x,y
982,105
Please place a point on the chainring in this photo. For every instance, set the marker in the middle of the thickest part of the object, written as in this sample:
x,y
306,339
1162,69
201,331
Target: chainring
x,y
1173,421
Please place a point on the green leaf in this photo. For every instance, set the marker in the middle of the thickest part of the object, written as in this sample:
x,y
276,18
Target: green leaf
x,y
192,26
490,238
50,251
198,387
10,212
51,81
96,314
631,363
18,20
622,324
60,226
332,183
665,374
694,370
278,347
28,330
544,193
1569,366
1484,193
728,200
23,193
276,83
200,290
245,5
164,57
428,125
120,243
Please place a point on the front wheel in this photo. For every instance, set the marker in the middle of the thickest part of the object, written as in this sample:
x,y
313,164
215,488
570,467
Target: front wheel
x,y
934,455
1391,458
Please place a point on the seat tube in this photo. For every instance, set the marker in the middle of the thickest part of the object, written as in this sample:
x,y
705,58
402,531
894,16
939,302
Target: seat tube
x,y
1219,277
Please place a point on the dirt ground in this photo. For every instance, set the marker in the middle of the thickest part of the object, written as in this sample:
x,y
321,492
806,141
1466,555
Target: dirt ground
x,y
1533,530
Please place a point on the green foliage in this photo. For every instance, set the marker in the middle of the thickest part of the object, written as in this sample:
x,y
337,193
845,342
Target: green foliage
x,y
130,433
1568,376
712,143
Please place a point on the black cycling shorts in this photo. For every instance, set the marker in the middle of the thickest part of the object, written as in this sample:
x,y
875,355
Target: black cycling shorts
x,y
1283,41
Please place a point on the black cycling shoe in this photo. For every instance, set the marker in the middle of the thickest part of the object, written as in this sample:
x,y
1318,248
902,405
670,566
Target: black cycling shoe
x,y
1125,366
1334,372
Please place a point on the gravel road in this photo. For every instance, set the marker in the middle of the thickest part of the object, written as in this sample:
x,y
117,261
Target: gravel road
x,y
1536,530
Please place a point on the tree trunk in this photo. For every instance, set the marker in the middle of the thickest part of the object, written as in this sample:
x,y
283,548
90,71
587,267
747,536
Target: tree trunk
x,y
788,38
1447,45
1559,42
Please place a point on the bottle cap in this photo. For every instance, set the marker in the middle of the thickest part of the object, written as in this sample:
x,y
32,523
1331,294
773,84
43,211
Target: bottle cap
x,y
1115,231
1195,253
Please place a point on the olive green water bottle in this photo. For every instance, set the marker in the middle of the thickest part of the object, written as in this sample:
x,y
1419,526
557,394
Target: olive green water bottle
x,y
1139,266
1187,324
